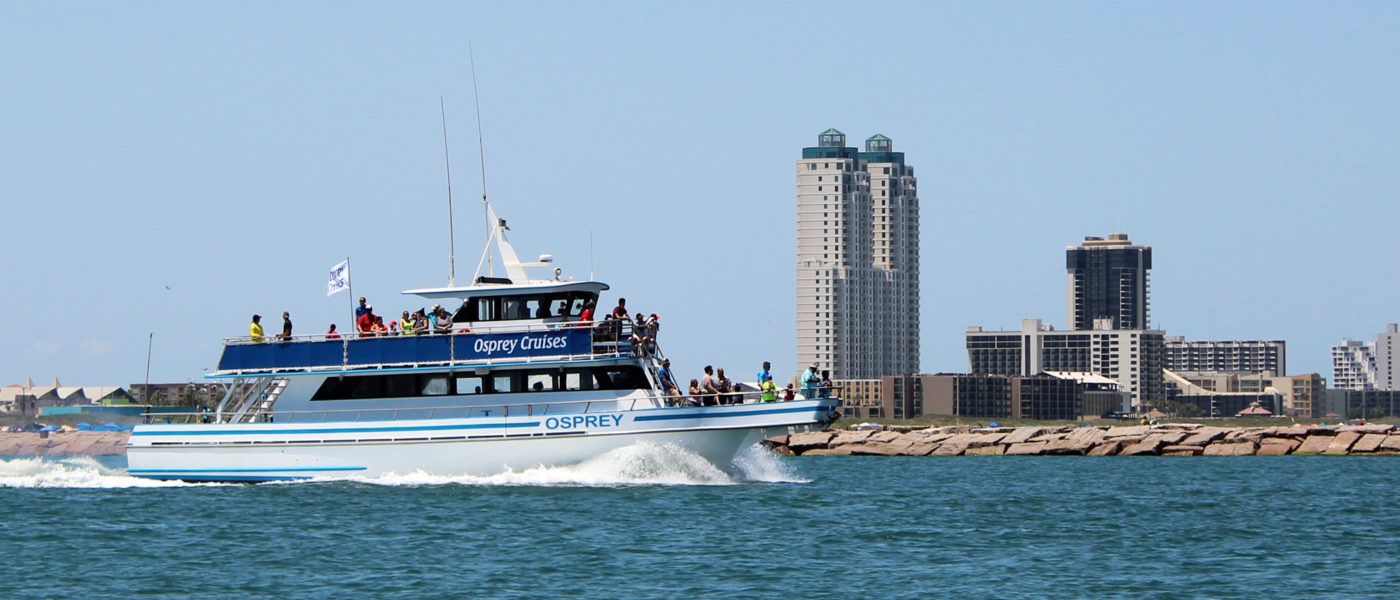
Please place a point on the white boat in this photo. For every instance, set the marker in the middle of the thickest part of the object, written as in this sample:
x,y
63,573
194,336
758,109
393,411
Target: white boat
x,y
520,381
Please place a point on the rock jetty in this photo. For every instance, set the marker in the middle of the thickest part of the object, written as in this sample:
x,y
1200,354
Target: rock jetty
x,y
64,443
1143,440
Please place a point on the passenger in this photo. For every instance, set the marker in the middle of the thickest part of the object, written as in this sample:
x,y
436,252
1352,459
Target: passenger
x,y
255,330
725,386
666,379
653,328
787,394
362,308
641,338
332,334
620,311
765,374
587,315
443,321
810,380
824,387
364,320
770,391
694,398
420,322
393,327
708,387
286,334
378,328
406,324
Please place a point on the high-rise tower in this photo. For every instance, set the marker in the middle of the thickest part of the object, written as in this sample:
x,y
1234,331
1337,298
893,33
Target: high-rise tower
x,y
857,259
1108,279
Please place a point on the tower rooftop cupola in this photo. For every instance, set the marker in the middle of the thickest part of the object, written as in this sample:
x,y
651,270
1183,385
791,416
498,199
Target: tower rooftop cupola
x,y
878,143
831,138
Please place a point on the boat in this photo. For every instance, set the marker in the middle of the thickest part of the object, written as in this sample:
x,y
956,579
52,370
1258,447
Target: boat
x,y
519,381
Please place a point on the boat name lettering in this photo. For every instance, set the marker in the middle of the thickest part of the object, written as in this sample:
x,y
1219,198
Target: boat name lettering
x,y
581,421
527,342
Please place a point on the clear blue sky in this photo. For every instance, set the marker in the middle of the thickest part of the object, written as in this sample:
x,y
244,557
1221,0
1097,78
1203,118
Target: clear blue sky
x,y
235,151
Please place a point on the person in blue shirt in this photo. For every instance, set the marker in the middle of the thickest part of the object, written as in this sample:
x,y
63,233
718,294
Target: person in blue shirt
x,y
764,374
810,380
667,380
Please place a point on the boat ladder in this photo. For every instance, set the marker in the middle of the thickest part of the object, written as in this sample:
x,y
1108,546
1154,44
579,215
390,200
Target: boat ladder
x,y
250,401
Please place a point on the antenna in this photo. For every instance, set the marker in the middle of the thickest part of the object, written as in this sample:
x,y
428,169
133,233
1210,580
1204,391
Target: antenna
x,y
451,235
481,151
590,255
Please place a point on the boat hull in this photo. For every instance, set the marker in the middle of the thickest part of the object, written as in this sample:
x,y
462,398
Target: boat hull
x,y
257,452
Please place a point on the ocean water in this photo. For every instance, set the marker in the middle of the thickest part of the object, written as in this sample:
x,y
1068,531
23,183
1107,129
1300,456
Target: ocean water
x,y
657,522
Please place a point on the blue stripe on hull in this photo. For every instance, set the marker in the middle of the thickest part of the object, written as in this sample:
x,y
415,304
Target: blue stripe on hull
x,y
139,431
705,415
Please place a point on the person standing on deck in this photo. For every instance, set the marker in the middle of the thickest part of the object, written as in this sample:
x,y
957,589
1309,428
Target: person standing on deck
x,y
764,374
667,380
620,311
810,380
286,334
770,391
255,330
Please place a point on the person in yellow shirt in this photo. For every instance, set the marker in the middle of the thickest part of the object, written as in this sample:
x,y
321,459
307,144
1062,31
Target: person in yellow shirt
x,y
770,391
255,330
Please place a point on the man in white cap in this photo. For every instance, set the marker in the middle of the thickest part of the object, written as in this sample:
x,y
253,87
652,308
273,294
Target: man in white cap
x,y
810,380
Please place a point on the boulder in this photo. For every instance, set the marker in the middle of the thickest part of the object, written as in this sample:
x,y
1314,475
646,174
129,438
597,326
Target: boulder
x,y
834,451
1172,438
1315,443
1049,437
1181,450
1342,442
885,436
1121,432
779,449
1090,435
1068,446
985,439
1369,442
1380,428
777,440
1148,445
850,437
1241,448
1391,443
1322,430
1277,446
1204,436
1104,449
1022,434
1253,434
918,449
1026,449
955,445
1295,431
993,450
803,442
874,449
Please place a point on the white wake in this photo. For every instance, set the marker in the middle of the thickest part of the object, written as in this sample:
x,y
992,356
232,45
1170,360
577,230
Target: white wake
x,y
69,472
642,463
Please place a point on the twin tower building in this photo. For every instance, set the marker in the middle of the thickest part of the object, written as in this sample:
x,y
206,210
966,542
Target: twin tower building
x,y
858,281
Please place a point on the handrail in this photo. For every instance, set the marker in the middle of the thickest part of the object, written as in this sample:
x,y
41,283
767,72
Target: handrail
x,y
483,329
530,408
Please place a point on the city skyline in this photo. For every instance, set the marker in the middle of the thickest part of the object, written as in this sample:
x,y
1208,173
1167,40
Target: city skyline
x,y
173,169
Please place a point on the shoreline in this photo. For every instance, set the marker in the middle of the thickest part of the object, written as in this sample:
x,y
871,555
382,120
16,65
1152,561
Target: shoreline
x,y
1174,439
64,443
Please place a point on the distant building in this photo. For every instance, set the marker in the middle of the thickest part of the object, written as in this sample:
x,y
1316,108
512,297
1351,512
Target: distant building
x,y
1108,279
1368,365
1251,356
1131,357
1058,396
1224,394
1364,404
206,395
857,259
30,398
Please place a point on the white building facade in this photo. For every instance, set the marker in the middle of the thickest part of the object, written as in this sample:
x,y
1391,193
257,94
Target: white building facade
x,y
1366,366
857,259
1131,357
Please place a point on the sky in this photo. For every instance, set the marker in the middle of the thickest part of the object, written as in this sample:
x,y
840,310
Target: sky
x,y
167,169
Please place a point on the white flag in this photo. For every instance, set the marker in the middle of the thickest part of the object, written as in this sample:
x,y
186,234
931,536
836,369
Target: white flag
x,y
340,278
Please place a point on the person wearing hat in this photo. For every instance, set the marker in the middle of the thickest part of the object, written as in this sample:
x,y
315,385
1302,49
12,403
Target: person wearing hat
x,y
255,330
667,380
364,323
810,380
770,390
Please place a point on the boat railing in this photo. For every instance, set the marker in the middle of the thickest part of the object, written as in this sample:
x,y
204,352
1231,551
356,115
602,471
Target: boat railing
x,y
512,343
516,409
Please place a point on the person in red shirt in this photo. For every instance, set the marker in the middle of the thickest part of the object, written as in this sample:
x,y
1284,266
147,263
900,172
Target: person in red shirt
x,y
332,334
365,324
620,311
587,315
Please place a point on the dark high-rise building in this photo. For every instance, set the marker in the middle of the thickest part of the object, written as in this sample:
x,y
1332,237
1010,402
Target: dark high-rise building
x,y
1108,280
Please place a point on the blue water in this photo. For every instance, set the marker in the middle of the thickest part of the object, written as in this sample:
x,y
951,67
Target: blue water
x,y
657,523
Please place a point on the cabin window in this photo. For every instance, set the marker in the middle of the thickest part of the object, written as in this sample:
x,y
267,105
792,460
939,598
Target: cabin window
x,y
468,384
433,385
539,382
575,380
502,383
